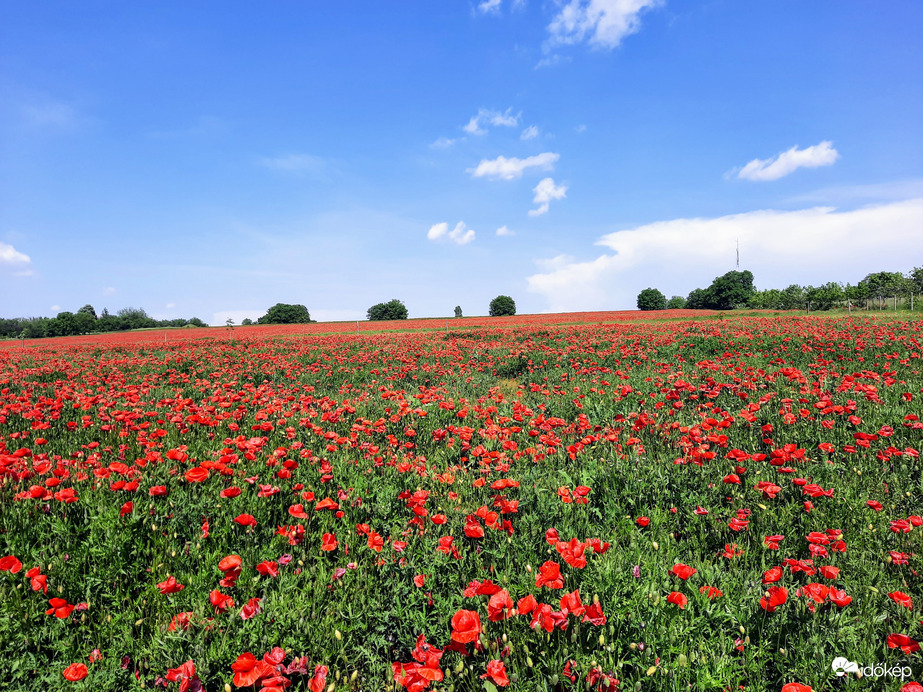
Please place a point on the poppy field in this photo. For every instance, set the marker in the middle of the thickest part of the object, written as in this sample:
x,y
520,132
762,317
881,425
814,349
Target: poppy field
x,y
709,504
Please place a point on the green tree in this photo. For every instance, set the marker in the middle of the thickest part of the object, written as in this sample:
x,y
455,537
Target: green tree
x,y
793,298
246,322
676,303
651,299
698,299
284,313
731,290
87,310
458,311
392,310
915,276
502,306
824,297
134,318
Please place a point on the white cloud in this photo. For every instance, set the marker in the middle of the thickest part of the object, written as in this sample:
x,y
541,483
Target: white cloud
x,y
603,23
503,230
55,308
170,306
109,291
530,132
807,246
546,191
12,258
489,7
502,168
460,235
485,116
778,166
443,143
294,163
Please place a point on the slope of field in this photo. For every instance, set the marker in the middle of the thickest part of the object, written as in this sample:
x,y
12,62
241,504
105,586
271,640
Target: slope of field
x,y
717,504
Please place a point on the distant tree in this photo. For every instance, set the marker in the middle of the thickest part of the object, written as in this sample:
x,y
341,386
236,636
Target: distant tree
x,y
824,297
196,322
246,322
65,324
502,306
134,318
651,299
698,299
793,298
87,310
229,322
458,311
915,276
731,290
392,310
676,303
283,313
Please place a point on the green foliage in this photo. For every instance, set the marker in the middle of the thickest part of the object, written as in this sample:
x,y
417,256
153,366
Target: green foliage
x,y
87,310
698,299
651,299
285,313
502,306
458,311
824,297
392,310
246,321
676,303
727,292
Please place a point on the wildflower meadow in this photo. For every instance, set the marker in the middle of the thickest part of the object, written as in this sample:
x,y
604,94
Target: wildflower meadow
x,y
521,503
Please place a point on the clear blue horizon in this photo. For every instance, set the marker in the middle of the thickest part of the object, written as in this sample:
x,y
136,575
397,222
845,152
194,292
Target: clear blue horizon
x,y
215,159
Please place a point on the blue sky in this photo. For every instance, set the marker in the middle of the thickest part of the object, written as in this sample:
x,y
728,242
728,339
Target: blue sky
x,y
212,159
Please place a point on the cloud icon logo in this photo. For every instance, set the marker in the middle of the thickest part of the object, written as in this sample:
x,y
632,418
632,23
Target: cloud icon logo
x,y
842,665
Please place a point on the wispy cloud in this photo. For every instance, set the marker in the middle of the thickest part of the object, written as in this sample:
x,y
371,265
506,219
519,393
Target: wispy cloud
x,y
460,235
780,248
295,163
530,132
546,191
787,162
477,124
444,143
489,6
204,126
504,231
602,23
502,168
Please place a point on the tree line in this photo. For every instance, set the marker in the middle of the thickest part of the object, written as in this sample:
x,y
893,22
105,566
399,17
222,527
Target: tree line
x,y
86,321
735,290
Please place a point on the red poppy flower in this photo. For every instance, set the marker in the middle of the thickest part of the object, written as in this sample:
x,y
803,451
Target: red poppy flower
x,y
229,563
549,574
196,474
839,598
901,599
60,607
326,503
903,642
677,599
500,607
76,672
297,511
170,586
233,491
466,626
775,596
127,508
796,687
711,592
157,491
642,521
221,602
829,572
245,520
571,605
268,568
328,542
250,608
875,504
319,679
682,571
248,670
526,604
375,541
10,564
496,671
419,580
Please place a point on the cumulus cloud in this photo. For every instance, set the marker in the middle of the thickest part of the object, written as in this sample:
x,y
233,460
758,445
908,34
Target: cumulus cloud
x,y
546,191
489,6
602,23
460,235
478,123
503,230
804,246
502,168
10,256
779,166
530,132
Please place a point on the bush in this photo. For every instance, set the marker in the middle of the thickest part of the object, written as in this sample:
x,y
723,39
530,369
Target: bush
x,y
502,306
392,310
676,303
283,313
651,299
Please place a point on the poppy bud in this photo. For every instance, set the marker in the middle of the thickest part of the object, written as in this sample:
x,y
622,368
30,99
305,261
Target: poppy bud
x,y
337,634
227,687
743,630
153,527
529,569
352,678
331,687
505,638
632,646
602,640
783,652
529,661
138,622
682,661
460,666
656,546
651,671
